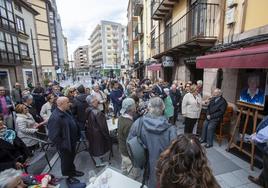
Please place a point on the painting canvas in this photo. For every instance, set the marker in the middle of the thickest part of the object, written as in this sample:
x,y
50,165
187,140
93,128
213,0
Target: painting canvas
x,y
253,91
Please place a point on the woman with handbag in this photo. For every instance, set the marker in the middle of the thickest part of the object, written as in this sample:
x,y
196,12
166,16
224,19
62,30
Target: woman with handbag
x,y
97,133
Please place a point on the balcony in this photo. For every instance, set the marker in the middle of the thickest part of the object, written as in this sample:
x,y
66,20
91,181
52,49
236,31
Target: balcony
x,y
196,29
26,60
138,57
137,32
138,6
160,8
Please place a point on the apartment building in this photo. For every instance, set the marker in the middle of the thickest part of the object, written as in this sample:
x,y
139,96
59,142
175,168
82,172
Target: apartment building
x,y
125,54
17,53
49,37
242,50
81,57
106,47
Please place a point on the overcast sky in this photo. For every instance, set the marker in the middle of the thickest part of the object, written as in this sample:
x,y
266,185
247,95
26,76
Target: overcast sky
x,y
80,17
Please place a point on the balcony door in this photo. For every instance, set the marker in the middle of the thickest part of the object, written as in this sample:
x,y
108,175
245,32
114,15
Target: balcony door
x,y
168,34
197,18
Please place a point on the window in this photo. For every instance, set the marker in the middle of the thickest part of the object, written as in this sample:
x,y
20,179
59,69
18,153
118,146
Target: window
x,y
20,24
9,50
24,49
6,15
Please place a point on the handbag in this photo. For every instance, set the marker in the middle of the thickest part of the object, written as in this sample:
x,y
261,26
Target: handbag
x,y
136,149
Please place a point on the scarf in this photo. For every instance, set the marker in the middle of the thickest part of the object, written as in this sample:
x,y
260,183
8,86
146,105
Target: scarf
x,y
7,135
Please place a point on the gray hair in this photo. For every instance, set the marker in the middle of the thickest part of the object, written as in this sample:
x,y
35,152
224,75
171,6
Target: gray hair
x,y
90,99
7,176
199,82
156,106
26,97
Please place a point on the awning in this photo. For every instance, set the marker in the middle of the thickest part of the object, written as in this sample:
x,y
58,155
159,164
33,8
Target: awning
x,y
155,67
252,57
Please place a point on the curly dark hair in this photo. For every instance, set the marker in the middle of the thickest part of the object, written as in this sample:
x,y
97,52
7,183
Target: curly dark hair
x,y
184,164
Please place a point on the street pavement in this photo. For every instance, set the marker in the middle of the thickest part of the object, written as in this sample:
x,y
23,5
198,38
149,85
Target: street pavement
x,y
230,171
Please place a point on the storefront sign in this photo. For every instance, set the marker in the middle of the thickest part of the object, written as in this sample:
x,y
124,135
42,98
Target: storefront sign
x,y
167,61
190,60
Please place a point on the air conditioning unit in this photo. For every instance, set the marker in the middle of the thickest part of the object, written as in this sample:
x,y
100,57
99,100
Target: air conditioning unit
x,y
230,16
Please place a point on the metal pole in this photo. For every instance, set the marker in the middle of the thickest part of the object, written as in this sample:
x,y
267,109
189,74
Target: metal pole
x,y
35,64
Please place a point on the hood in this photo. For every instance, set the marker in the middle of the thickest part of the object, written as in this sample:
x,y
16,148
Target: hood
x,y
82,97
156,125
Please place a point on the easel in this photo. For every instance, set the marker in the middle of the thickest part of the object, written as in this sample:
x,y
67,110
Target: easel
x,y
249,110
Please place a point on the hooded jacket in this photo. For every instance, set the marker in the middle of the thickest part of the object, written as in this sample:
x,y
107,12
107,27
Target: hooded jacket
x,y
79,108
156,134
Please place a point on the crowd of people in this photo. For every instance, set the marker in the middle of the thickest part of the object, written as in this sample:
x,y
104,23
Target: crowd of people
x,y
145,109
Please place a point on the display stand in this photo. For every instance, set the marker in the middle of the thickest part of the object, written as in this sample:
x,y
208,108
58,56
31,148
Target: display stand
x,y
249,110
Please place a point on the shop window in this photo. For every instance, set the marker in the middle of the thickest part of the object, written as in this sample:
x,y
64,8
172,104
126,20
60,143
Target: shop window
x,y
4,79
219,78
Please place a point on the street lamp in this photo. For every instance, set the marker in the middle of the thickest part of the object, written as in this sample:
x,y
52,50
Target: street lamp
x,y
35,63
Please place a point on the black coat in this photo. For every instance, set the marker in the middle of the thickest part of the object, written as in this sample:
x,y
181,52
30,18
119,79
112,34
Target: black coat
x,y
175,97
217,109
79,108
12,153
62,130
97,132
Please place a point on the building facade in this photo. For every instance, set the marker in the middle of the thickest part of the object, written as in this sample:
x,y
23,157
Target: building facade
x,y
245,29
50,38
18,53
81,58
106,47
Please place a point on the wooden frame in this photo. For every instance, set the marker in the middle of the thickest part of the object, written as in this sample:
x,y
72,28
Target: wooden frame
x,y
249,110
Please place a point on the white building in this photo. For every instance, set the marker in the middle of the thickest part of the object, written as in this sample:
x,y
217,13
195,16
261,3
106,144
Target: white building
x,y
106,47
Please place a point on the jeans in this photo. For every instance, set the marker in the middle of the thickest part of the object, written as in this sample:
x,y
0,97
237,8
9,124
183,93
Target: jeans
x,y
67,161
263,178
208,131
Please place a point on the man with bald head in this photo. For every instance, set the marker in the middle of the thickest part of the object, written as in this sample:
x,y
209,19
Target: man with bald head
x,y
216,109
64,133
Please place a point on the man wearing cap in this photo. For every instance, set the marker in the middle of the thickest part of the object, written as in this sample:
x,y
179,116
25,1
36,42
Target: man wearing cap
x,y
124,124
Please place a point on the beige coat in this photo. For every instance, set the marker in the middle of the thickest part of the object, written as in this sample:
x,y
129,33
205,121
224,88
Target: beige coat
x,y
45,112
191,106
25,127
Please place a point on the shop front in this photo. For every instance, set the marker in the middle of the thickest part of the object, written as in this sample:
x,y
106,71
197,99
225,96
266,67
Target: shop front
x,y
242,76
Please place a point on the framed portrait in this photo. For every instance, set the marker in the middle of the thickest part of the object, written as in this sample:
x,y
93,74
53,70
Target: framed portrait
x,y
254,88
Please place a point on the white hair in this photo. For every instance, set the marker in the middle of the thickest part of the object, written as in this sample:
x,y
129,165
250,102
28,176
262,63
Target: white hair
x,y
90,99
199,82
7,176
156,106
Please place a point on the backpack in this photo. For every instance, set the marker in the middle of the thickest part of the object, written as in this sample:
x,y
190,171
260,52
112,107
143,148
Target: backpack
x,y
138,153
136,149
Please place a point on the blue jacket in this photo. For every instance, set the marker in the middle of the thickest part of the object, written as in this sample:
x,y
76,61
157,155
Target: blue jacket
x,y
157,135
8,101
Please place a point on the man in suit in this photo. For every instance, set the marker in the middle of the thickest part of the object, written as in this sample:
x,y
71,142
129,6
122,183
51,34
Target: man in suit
x,y
175,96
158,89
64,133
215,112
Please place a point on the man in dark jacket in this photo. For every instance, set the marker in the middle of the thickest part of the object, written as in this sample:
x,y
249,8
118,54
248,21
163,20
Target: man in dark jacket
x,y
116,97
158,89
216,109
79,109
175,96
64,133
